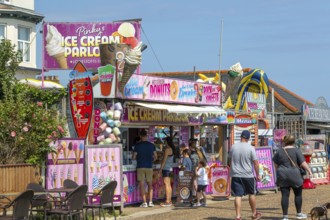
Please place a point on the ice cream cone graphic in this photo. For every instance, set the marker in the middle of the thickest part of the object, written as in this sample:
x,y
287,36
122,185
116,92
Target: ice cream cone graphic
x,y
132,61
107,156
75,177
61,60
109,166
54,159
98,167
76,154
54,47
100,156
92,168
55,184
79,155
94,156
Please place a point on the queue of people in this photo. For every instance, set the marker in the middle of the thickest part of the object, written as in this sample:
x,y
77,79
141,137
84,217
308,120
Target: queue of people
x,y
244,172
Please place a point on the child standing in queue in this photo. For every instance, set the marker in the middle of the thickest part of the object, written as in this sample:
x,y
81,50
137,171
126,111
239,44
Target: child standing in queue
x,y
202,182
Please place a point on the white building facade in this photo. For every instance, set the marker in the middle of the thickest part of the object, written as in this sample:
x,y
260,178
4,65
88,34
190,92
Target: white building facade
x,y
18,22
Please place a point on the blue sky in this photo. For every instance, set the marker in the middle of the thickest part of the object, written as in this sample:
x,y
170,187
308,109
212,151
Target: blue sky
x,y
288,39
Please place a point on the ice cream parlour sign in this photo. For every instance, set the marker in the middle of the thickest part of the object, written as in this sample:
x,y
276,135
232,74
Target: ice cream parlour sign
x,y
67,43
149,88
139,114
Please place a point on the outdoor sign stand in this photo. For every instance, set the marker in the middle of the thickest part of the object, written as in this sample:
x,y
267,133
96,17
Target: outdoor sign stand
x,y
104,164
220,182
184,190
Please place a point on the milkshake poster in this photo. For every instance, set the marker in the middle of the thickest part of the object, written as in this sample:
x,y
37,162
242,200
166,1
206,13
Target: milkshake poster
x,y
148,88
66,161
67,43
104,164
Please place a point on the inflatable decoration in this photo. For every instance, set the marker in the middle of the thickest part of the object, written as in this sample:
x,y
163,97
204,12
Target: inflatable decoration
x,y
254,81
211,80
38,83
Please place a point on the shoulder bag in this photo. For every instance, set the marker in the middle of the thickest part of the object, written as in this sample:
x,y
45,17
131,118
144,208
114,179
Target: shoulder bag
x,y
301,170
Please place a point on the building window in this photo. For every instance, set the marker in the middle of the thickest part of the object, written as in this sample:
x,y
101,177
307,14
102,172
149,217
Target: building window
x,y
24,43
2,31
7,1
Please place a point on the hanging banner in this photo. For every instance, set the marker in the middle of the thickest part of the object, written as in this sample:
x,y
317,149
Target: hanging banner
x,y
81,99
67,43
266,168
148,88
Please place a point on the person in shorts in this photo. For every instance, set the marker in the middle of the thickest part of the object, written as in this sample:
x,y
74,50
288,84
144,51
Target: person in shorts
x,y
145,154
243,161
202,182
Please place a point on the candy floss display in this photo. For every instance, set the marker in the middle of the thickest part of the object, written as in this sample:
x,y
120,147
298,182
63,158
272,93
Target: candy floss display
x,y
104,164
66,161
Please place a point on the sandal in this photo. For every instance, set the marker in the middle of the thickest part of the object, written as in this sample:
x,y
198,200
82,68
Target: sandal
x,y
257,215
238,218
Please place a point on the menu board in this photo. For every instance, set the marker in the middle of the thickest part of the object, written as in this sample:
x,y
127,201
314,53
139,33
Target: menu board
x,y
184,192
65,161
220,181
104,164
266,168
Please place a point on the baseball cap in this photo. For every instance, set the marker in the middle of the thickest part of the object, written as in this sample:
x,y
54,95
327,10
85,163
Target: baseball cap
x,y
245,134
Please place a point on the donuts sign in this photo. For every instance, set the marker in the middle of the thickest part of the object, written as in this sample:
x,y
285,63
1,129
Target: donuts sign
x,y
148,88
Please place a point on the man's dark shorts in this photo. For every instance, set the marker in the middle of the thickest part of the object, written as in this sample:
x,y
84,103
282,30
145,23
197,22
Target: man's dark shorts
x,y
201,188
166,173
243,186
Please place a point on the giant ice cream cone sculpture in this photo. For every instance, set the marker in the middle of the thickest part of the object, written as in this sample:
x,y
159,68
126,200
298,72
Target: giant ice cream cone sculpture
x,y
54,47
132,61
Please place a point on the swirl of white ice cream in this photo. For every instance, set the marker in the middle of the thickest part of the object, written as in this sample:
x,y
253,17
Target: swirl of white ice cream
x,y
53,39
134,56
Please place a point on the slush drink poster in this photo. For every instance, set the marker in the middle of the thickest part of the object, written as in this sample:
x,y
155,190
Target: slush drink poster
x,y
67,43
81,99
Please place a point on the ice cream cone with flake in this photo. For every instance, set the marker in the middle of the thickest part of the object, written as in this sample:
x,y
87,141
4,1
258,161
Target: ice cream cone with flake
x,y
132,61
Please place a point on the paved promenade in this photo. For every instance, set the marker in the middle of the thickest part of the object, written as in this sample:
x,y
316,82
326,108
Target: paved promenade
x,y
268,203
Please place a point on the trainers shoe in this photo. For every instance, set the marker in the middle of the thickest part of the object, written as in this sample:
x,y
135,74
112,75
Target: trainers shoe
x,y
166,204
151,204
301,216
203,204
197,204
144,205
285,217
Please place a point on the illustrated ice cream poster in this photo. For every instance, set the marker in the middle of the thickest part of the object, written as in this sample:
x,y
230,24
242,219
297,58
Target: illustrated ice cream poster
x,y
220,182
104,164
148,88
81,99
266,168
66,161
67,43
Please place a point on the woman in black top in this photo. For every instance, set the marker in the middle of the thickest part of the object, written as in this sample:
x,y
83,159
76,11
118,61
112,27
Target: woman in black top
x,y
282,163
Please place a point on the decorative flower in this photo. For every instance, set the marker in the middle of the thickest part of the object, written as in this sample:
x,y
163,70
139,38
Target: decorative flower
x,y
13,134
25,128
39,104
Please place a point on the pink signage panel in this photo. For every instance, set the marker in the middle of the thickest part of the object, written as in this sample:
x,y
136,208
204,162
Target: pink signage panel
x,y
149,88
266,168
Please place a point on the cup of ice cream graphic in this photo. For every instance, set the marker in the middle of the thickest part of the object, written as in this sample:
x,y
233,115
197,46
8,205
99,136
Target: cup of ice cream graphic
x,y
54,47
106,74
